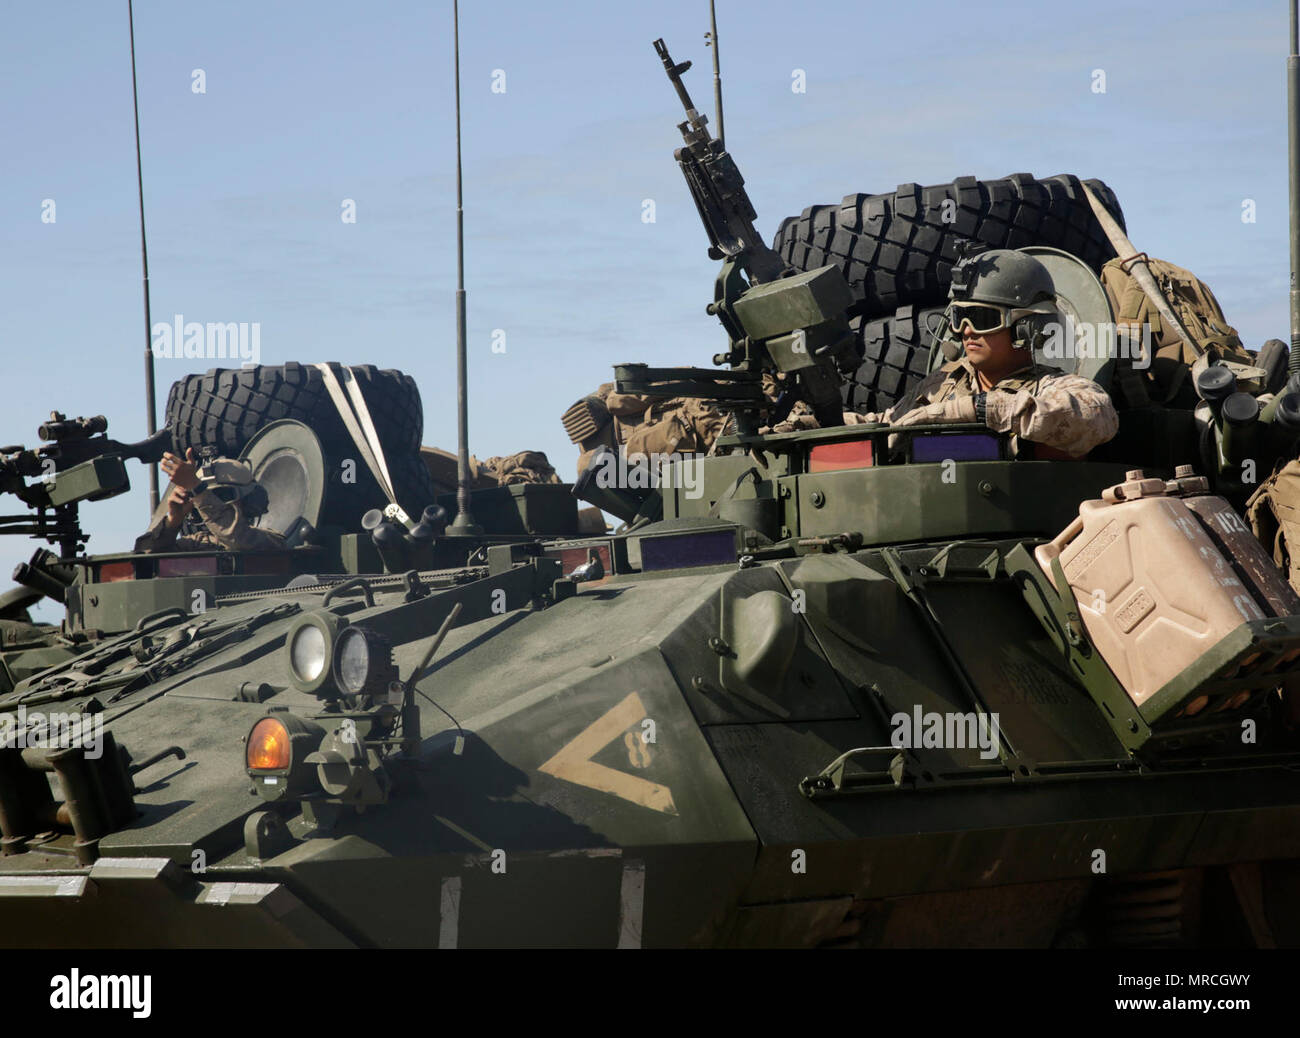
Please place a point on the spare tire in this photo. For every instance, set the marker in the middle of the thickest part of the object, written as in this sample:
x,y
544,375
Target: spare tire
x,y
893,355
224,407
898,249
347,502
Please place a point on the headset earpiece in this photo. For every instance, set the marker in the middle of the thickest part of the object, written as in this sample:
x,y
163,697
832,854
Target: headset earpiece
x,y
1030,333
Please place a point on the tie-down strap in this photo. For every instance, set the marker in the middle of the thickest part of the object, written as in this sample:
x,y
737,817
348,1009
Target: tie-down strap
x,y
360,427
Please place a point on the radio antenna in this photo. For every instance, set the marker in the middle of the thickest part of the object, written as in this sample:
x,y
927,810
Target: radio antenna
x,y
711,40
1293,149
151,422
463,525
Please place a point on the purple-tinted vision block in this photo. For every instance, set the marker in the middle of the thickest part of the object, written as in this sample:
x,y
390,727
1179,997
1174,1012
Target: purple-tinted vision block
x,y
955,447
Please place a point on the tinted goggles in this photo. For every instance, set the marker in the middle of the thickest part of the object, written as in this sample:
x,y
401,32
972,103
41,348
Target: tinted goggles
x,y
226,493
982,317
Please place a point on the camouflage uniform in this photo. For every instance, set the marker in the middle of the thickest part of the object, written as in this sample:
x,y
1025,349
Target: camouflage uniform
x,y
225,528
1037,403
1274,514
800,416
524,467
652,425
678,425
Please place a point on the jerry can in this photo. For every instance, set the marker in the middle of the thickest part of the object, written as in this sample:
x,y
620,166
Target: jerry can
x,y
1161,572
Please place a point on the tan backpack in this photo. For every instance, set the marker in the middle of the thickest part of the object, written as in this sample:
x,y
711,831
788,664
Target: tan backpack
x,y
1166,381
1274,514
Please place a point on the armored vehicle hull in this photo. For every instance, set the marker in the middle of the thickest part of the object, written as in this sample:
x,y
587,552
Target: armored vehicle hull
x,y
864,683
698,748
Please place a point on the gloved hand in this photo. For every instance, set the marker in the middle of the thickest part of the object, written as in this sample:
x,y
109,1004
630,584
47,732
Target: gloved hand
x,y
959,409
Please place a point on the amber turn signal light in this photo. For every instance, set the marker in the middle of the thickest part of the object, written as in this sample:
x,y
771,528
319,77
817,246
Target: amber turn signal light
x,y
268,746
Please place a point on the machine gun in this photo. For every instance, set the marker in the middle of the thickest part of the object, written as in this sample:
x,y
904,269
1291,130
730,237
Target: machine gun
x,y
719,190
80,463
779,321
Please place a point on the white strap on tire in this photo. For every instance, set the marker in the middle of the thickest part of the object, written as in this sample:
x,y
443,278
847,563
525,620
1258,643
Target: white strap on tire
x,y
362,430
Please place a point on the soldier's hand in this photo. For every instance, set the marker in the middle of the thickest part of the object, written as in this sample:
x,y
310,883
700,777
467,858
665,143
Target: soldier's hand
x,y
179,503
182,473
961,409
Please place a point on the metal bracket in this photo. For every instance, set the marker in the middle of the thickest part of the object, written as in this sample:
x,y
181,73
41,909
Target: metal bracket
x,y
1064,627
831,779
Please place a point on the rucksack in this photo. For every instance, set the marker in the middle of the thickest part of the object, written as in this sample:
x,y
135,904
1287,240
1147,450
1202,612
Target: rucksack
x,y
1274,515
1166,381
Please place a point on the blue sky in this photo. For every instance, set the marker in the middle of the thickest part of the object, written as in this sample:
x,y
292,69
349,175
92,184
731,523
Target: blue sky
x,y
307,104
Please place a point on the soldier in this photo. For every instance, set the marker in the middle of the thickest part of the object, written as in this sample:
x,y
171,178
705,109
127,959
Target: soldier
x,y
1002,302
228,500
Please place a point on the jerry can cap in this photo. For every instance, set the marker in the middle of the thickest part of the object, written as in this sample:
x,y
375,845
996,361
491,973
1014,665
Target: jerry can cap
x,y
1135,486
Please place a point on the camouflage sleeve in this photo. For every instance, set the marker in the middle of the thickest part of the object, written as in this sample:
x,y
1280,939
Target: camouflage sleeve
x,y
800,417
160,537
1069,412
707,422
229,529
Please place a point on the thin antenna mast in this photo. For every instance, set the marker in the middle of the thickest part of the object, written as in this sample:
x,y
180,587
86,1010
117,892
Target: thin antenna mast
x,y
463,524
151,422
1293,155
711,40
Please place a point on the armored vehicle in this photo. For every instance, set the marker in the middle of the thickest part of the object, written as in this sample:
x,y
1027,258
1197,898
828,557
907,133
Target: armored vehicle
x,y
878,684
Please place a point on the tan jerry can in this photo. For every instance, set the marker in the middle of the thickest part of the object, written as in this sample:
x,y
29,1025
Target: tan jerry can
x,y
1159,580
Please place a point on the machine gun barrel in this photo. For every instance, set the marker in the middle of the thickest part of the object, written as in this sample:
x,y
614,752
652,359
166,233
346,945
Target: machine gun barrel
x,y
675,75
718,188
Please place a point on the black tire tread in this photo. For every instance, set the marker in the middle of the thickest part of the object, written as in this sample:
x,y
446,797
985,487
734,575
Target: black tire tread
x,y
893,356
224,407
896,249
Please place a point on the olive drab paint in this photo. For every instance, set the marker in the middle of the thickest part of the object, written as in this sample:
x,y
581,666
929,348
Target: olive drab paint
x,y
822,690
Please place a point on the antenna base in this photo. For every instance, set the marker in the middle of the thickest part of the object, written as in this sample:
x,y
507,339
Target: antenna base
x,y
463,526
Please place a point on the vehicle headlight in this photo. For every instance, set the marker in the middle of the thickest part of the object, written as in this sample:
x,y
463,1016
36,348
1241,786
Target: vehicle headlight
x,y
310,645
307,653
363,662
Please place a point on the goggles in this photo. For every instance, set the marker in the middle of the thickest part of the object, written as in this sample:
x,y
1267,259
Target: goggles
x,y
226,480
982,317
985,318
227,493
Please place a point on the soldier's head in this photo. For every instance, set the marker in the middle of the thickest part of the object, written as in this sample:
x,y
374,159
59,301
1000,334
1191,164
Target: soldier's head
x,y
232,481
1001,304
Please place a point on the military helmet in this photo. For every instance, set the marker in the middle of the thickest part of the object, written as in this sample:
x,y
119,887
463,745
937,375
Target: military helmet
x,y
230,481
1003,277
1016,284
